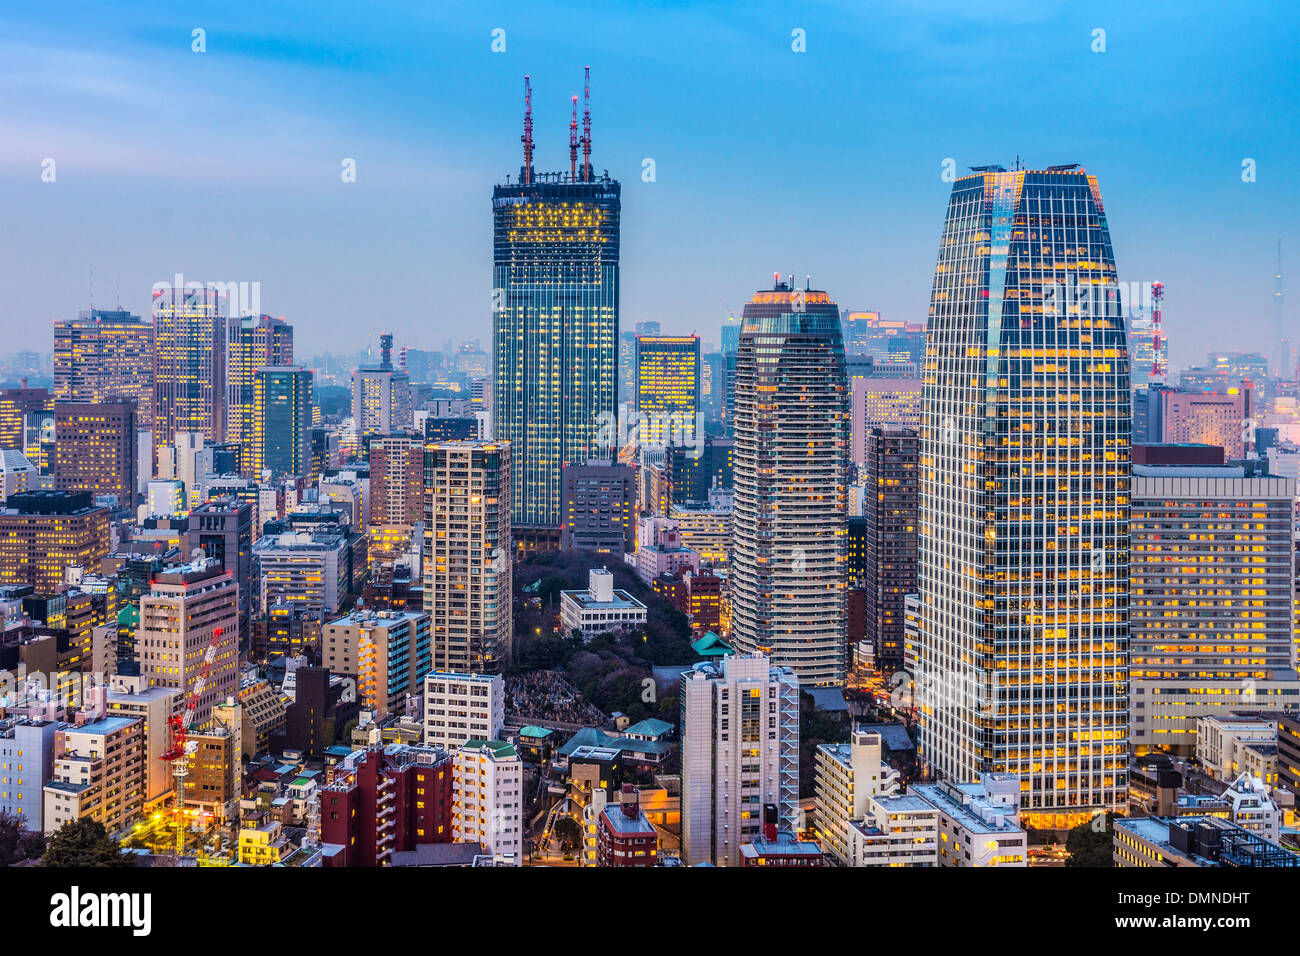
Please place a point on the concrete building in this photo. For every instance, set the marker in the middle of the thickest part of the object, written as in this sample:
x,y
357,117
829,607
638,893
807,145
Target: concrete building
x,y
461,707
1224,744
1209,419
388,652
223,528
599,500
26,762
979,823
381,395
253,342
600,608
1193,842
303,569
660,550
624,835
739,751
466,560
396,480
847,777
1213,607
131,696
103,355
898,830
95,449
42,533
190,382
881,403
185,609
487,787
891,512
98,774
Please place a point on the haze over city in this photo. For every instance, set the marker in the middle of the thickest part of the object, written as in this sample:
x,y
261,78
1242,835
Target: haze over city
x,y
225,165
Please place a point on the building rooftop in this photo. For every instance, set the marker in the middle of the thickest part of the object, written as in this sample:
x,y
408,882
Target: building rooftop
x,y
500,748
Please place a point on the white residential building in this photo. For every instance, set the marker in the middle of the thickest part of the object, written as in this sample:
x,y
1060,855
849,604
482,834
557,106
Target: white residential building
x,y
901,830
847,777
1254,808
1224,743
979,823
600,608
740,750
487,797
461,707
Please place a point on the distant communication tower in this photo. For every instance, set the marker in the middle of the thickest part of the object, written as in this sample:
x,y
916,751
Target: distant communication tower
x,y
1157,357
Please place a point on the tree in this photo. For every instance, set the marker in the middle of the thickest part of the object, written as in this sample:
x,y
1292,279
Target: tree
x,y
84,843
1089,844
569,832
17,844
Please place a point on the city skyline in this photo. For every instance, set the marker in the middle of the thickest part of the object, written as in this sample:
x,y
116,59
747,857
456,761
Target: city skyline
x,y
451,128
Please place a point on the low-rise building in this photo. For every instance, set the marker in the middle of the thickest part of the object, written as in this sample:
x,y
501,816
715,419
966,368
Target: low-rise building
x,y
625,837
899,830
488,788
600,608
1193,842
979,823
847,777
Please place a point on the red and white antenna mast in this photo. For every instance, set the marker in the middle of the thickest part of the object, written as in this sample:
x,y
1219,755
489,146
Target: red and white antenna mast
x,y
527,138
1157,362
573,142
586,125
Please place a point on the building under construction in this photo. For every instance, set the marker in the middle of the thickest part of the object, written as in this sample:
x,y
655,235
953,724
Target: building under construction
x,y
555,305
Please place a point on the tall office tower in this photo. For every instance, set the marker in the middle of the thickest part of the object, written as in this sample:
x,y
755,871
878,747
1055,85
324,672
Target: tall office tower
x,y
253,342
185,608
15,405
381,395
279,439
42,533
1213,603
467,563
95,448
555,329
890,508
730,346
626,368
740,750
668,390
599,508
189,379
396,480
104,354
223,528
790,466
1024,485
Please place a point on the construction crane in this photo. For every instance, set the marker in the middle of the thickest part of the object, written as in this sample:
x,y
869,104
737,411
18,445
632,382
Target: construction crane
x,y
573,143
527,138
181,747
586,133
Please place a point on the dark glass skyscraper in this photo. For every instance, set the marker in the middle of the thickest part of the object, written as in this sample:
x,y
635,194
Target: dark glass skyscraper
x,y
1024,513
790,475
555,329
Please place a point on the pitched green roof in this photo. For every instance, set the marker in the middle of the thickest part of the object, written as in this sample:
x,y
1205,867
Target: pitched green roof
x,y
710,645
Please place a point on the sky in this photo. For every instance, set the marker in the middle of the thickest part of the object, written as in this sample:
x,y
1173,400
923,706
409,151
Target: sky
x,y
226,165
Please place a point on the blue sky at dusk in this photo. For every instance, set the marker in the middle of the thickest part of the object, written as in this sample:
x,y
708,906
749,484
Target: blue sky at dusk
x,y
225,165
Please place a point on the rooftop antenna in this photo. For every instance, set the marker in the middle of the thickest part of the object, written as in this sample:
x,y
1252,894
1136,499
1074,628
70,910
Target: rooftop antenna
x,y
527,138
586,124
807,283
1157,343
92,291
117,291
1279,297
573,142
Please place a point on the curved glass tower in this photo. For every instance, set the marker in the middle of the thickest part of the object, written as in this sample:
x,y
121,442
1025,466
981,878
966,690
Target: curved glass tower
x,y
789,523
1022,662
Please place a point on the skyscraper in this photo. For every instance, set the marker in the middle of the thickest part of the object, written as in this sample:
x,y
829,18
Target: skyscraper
x,y
790,469
253,343
555,328
740,751
189,363
668,389
1024,575
95,448
103,354
381,395
279,439
467,566
889,507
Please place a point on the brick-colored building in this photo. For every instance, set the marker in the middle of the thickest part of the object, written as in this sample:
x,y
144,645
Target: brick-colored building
x,y
43,532
95,448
